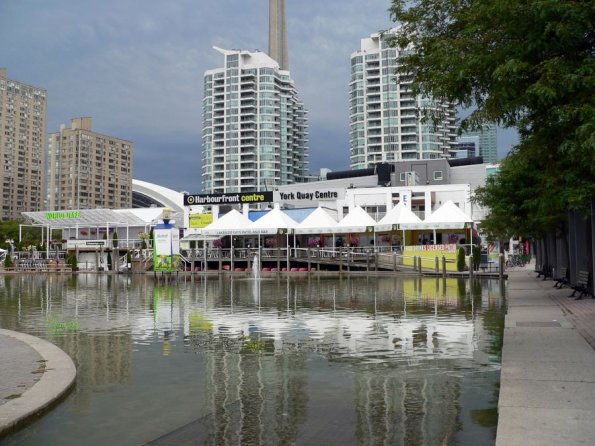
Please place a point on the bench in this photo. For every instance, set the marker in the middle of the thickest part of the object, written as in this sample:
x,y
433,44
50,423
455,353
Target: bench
x,y
562,278
582,284
544,271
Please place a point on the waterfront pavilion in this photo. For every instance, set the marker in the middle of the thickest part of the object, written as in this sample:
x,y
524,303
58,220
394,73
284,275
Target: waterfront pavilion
x,y
390,225
439,235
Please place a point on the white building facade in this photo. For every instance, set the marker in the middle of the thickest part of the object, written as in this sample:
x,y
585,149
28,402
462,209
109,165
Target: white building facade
x,y
254,126
385,126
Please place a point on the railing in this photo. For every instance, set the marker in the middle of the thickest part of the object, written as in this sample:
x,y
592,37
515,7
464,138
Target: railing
x,y
39,255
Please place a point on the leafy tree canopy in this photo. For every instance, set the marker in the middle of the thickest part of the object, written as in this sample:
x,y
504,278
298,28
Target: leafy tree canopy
x,y
523,63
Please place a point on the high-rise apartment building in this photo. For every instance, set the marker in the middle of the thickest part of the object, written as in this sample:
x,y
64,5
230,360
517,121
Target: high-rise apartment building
x,y
254,125
488,143
385,123
23,111
88,170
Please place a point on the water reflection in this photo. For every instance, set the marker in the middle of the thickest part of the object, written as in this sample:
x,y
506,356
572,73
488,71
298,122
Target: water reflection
x,y
366,360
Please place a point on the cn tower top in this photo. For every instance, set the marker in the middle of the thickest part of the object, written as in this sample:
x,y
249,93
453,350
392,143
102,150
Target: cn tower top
x,y
278,33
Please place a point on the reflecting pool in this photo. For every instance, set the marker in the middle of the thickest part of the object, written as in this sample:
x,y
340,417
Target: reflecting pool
x,y
360,360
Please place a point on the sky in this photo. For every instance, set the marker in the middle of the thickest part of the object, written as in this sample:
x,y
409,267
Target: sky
x,y
136,67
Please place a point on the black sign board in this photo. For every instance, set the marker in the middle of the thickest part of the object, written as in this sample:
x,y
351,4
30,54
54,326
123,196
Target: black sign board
x,y
234,198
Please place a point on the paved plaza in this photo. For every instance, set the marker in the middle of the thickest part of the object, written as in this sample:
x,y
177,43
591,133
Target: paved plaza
x,y
547,390
33,374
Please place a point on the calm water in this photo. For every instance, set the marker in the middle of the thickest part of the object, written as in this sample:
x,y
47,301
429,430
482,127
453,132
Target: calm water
x,y
309,361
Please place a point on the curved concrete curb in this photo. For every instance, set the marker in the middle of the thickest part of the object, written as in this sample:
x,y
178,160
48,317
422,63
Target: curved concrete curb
x,y
58,377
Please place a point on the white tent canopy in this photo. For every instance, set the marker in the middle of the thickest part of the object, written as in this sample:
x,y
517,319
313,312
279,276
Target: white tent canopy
x,y
272,221
231,223
357,220
318,222
397,216
447,216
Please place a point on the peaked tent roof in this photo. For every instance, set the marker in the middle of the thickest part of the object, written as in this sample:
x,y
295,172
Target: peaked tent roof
x,y
231,223
447,216
272,221
357,220
318,222
396,216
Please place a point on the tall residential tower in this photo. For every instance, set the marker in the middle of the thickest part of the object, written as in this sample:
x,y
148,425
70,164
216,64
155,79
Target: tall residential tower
x,y
254,125
23,110
88,170
385,123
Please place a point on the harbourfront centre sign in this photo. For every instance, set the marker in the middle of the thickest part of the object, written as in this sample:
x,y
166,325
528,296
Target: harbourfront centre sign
x,y
235,198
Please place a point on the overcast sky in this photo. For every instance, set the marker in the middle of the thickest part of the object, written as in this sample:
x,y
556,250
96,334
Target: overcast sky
x,y
136,67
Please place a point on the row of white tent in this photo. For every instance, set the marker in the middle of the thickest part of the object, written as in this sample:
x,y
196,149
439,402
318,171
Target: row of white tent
x,y
448,216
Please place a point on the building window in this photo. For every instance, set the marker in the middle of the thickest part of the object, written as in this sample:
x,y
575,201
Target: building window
x,y
403,176
438,175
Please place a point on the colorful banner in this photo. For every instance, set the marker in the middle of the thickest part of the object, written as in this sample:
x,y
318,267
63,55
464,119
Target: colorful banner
x,y
166,249
200,220
428,254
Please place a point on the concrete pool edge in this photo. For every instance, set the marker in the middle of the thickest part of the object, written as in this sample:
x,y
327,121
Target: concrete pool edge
x,y
57,378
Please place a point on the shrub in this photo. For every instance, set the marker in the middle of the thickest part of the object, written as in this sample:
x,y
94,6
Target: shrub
x,y
115,240
461,259
476,257
72,261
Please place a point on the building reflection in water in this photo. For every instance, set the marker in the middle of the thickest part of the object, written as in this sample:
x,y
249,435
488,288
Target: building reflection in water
x,y
404,346
257,381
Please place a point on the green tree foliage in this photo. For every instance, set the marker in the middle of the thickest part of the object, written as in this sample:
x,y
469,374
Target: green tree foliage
x,y
461,259
10,230
520,63
71,260
115,240
476,257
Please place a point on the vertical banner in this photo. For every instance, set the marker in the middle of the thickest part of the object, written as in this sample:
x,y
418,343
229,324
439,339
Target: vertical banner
x,y
166,249
406,198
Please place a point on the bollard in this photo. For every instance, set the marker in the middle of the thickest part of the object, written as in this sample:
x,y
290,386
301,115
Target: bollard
x,y
437,265
419,266
340,260
414,263
501,266
471,266
394,261
309,261
443,266
368,261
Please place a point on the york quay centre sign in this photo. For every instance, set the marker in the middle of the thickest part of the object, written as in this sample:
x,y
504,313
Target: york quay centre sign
x,y
311,195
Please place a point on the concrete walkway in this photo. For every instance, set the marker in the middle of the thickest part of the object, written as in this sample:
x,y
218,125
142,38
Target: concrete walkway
x,y
33,375
547,391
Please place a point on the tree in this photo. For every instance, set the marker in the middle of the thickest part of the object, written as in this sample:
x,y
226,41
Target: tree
x,y
476,257
115,240
461,259
520,63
